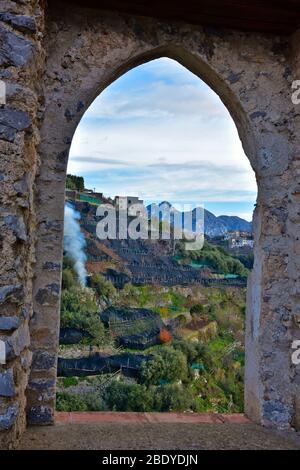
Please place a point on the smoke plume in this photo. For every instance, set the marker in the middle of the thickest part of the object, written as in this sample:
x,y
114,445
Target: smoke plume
x,y
74,242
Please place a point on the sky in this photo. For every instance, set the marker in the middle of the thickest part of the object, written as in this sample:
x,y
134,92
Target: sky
x,y
160,133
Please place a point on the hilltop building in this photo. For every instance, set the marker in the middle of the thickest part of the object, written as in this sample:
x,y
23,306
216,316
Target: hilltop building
x,y
123,202
239,239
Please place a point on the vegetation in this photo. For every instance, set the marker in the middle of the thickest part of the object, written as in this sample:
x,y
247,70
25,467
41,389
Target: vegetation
x,y
168,366
79,307
68,279
104,289
196,309
75,182
79,310
136,397
199,368
214,257
199,363
77,402
129,397
246,259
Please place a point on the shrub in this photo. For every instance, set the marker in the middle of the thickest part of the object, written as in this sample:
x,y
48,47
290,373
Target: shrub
x,y
70,402
167,365
135,397
173,397
79,402
102,286
68,263
94,402
208,332
70,381
68,279
177,300
196,309
75,182
165,336
129,397
180,321
192,350
79,310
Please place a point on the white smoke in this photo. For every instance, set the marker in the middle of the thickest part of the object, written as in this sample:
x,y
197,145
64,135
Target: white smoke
x,y
74,242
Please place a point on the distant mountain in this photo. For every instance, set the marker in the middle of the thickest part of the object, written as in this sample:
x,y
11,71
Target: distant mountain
x,y
213,226
232,222
216,226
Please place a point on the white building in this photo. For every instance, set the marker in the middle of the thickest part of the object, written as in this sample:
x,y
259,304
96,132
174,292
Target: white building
x,y
241,242
124,202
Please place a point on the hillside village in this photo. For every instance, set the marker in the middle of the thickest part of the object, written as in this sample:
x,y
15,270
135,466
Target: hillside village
x,y
155,327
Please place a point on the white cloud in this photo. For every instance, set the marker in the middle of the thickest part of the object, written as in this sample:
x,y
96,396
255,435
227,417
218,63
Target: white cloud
x,y
161,133
158,100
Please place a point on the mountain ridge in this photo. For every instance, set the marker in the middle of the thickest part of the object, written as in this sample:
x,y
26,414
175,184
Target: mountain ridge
x,y
214,226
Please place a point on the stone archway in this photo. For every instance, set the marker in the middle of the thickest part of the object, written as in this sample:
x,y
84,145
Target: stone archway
x,y
83,53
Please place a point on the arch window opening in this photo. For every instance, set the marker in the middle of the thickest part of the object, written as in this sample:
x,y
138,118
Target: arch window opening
x,y
151,321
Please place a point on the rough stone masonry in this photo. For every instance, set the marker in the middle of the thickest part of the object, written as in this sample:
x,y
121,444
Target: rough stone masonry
x,y
54,61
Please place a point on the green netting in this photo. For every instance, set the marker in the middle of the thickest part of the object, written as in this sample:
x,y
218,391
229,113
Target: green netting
x,y
90,199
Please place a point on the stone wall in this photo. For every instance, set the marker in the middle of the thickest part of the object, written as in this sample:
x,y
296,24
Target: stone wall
x,y
21,64
293,227
85,51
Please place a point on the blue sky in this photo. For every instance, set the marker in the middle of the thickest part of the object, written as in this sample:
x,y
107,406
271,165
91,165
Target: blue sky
x,y
160,133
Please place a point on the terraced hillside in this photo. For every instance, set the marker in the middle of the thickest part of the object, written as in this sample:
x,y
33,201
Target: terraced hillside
x,y
142,262
157,328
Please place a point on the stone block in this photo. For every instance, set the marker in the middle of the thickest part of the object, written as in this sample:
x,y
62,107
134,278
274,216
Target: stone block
x,y
7,133
41,385
23,23
9,323
11,292
17,342
50,266
8,417
15,50
277,413
7,386
40,415
48,295
17,225
42,360
15,119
